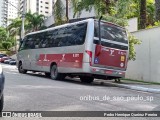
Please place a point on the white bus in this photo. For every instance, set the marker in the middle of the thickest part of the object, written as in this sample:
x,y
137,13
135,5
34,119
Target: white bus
x,y
88,49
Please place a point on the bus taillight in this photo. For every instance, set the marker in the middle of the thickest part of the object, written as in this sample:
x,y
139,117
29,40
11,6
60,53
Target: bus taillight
x,y
90,56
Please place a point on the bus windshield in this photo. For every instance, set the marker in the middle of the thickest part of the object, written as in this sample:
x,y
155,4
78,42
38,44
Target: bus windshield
x,y
111,32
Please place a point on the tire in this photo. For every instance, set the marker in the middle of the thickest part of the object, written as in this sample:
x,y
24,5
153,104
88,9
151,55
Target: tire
x,y
48,74
20,69
1,103
86,79
55,75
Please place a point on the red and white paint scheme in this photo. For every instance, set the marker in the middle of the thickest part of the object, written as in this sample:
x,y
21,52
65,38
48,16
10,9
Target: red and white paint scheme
x,y
74,49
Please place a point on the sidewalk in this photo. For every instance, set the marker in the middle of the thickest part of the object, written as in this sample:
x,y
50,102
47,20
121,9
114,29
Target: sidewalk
x,y
139,86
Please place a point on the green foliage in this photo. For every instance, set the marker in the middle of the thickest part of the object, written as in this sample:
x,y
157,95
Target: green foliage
x,y
126,8
6,45
120,21
98,5
34,21
154,25
132,42
3,34
59,13
15,26
157,23
11,40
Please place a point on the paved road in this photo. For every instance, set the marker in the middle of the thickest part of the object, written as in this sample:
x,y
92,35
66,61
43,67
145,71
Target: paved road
x,y
35,92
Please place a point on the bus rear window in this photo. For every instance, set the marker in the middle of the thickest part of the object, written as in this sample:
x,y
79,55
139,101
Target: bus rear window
x,y
111,32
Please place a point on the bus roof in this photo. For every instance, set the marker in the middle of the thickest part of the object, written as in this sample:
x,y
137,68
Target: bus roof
x,y
61,26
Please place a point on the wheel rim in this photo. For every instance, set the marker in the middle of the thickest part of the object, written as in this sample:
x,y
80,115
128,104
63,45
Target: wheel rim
x,y
21,68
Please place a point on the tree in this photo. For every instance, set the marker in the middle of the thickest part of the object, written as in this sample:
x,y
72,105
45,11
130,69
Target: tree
x,y
3,34
59,13
157,5
34,20
14,27
6,45
150,12
101,6
143,19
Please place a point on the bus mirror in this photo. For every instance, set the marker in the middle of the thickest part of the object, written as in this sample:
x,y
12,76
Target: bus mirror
x,y
99,30
98,50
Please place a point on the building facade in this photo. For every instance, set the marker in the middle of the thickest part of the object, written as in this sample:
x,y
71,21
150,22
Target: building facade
x,y
13,10
8,11
43,7
3,13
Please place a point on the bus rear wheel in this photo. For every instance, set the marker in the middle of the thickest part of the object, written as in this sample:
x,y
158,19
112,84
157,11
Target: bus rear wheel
x,y
55,75
86,79
20,68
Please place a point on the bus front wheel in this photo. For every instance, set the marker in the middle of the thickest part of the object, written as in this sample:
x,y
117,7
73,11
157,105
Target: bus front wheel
x,y
20,68
86,79
55,75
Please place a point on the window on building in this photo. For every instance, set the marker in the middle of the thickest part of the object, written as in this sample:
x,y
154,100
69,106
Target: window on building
x,y
46,3
46,12
46,7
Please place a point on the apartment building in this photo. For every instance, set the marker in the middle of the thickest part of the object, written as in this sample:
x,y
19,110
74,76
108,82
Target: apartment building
x,y
43,7
8,11
3,13
13,10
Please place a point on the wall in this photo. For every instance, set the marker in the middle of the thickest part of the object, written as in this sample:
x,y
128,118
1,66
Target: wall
x,y
147,64
132,25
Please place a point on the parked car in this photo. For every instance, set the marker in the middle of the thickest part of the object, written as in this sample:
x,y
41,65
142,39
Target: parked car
x,y
2,80
1,56
7,61
12,62
4,58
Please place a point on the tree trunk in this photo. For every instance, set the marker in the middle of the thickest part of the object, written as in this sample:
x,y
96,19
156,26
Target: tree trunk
x,y
143,14
67,11
157,5
108,5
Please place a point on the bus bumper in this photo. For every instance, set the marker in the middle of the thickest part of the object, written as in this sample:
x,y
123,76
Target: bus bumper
x,y
107,72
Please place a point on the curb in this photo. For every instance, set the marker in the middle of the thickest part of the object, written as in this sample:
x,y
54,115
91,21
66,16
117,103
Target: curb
x,y
138,88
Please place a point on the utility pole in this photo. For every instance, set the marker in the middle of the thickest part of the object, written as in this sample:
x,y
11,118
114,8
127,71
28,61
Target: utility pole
x,y
67,11
23,19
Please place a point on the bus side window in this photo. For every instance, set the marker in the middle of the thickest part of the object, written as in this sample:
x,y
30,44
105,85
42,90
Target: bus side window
x,y
79,33
22,44
43,40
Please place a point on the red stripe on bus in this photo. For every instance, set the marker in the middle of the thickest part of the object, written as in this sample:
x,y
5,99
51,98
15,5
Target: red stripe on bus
x,y
72,60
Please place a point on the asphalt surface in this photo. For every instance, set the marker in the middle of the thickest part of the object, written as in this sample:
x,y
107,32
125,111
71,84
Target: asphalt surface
x,y
35,92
